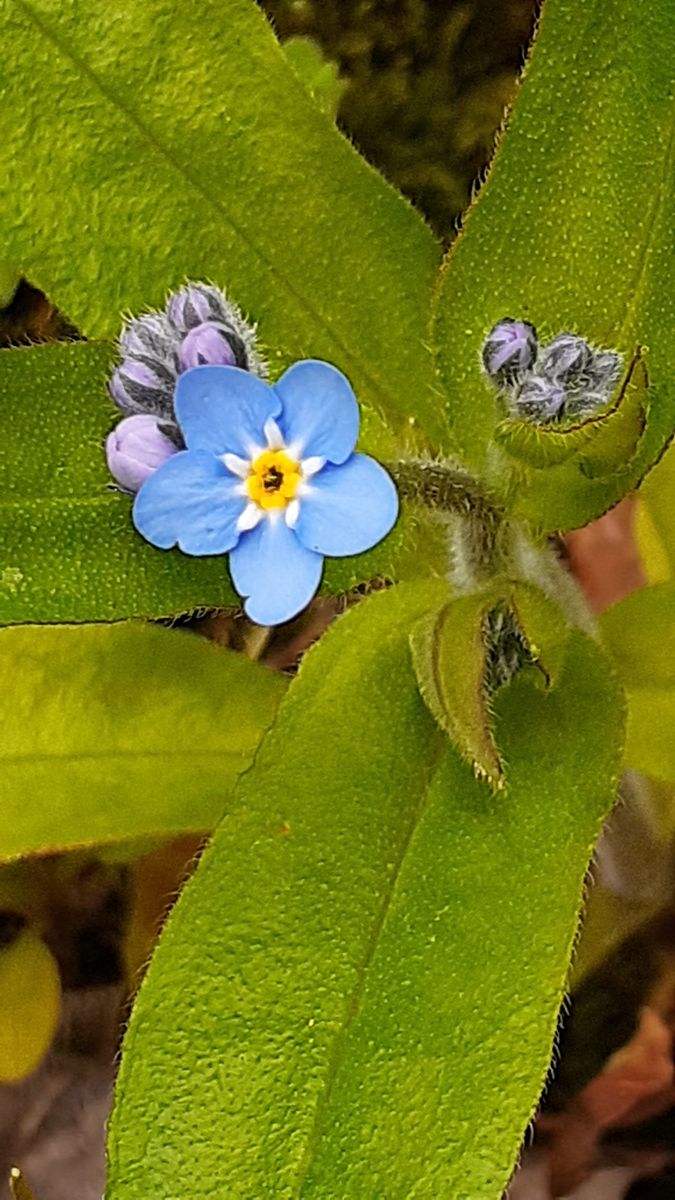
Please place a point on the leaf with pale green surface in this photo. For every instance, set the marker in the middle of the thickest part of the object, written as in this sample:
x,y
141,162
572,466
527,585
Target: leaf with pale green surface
x,y
142,146
111,733
68,548
640,634
656,520
372,941
448,650
572,232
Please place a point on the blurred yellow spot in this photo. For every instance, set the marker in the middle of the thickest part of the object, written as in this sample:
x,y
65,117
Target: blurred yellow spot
x,y
273,480
652,550
18,1186
30,1005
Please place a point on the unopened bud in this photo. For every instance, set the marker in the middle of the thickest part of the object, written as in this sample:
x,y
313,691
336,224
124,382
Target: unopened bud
x,y
135,448
539,401
509,351
210,343
137,387
150,337
195,304
566,359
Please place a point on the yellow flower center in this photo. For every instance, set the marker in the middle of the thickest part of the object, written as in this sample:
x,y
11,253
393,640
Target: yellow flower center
x,y
273,480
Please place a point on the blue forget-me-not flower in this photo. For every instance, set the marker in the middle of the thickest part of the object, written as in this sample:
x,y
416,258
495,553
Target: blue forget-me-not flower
x,y
269,475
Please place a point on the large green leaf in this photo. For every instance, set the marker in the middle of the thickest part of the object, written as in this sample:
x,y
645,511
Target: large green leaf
x,y
357,994
111,733
142,143
68,549
573,232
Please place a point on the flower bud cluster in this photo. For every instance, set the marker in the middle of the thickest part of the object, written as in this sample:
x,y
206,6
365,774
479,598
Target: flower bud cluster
x,y
565,381
198,326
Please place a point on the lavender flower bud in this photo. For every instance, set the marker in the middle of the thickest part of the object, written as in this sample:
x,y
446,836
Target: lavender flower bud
x,y
209,343
195,304
150,337
566,359
135,448
539,401
605,370
509,351
138,386
200,304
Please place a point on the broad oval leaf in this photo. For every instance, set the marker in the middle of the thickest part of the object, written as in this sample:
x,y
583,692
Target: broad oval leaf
x,y
142,146
362,980
572,231
127,729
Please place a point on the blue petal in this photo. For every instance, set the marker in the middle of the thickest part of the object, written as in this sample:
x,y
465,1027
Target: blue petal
x,y
277,574
191,500
224,409
320,414
348,509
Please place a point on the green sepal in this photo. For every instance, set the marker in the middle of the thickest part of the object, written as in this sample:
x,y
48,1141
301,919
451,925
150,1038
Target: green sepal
x,y
448,650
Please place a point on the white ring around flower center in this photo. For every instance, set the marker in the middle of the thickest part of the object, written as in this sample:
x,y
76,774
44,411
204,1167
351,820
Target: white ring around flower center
x,y
243,468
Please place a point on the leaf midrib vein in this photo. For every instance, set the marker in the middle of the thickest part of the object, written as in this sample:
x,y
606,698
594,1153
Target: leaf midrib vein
x,y
352,1010
653,219
225,212
105,755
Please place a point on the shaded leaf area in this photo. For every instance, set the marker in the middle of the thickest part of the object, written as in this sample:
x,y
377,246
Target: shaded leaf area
x,y
116,732
69,551
425,85
128,169
373,939
640,632
572,232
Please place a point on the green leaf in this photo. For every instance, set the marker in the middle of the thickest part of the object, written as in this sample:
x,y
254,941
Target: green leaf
x,y
572,231
544,626
650,746
639,631
448,650
68,549
361,982
320,75
9,282
640,634
112,733
657,512
154,146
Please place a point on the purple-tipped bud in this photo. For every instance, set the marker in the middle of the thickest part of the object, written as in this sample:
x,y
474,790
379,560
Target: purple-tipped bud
x,y
200,304
566,359
509,351
135,449
208,343
539,401
151,337
138,387
606,370
195,304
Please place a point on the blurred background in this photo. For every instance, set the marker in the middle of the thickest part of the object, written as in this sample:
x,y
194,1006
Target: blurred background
x,y
421,87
